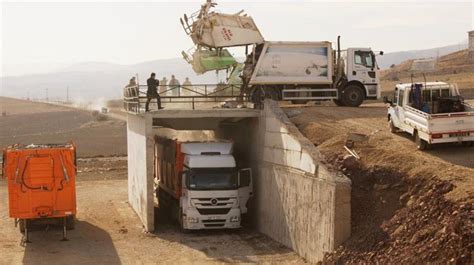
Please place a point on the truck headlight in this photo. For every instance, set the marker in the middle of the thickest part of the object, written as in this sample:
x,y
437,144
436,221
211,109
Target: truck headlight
x,y
193,219
235,219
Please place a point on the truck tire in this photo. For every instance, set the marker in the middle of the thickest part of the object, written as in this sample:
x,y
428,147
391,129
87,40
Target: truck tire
x,y
257,96
272,93
391,126
352,96
21,225
420,143
70,222
338,102
299,102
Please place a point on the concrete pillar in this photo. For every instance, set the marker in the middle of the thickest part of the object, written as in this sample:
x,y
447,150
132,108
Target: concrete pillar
x,y
140,146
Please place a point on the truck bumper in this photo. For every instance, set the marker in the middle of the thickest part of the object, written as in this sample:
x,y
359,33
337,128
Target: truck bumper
x,y
195,221
459,139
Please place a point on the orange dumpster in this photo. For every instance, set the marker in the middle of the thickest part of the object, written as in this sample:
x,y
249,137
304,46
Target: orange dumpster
x,y
41,183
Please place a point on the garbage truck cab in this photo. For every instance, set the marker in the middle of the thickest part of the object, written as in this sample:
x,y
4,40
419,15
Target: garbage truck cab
x,y
362,71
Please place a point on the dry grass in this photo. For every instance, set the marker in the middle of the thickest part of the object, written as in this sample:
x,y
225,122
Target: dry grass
x,y
451,68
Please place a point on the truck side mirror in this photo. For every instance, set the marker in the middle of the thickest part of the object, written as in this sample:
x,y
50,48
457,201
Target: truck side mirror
x,y
245,177
381,52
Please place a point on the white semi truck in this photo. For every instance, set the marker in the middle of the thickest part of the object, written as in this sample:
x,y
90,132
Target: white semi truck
x,y
295,71
433,112
199,184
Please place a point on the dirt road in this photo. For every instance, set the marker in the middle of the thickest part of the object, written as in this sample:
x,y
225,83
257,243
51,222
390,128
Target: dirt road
x,y
408,206
109,232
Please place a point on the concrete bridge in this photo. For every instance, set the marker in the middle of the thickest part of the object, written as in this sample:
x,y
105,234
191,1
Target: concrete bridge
x,y
297,200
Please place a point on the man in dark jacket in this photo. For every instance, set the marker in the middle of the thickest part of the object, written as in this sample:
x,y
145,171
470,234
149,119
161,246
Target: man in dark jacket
x,y
152,91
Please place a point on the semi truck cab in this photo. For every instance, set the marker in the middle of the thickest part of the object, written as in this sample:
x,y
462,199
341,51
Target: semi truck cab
x,y
213,191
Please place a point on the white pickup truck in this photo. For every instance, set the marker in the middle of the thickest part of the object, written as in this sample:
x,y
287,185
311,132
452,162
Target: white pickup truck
x,y
432,112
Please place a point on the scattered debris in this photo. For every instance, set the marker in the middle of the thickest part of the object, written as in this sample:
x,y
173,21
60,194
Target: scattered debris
x,y
353,138
352,152
123,230
292,112
350,163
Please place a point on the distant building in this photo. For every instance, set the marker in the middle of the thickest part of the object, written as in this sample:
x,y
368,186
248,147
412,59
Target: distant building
x,y
471,46
423,64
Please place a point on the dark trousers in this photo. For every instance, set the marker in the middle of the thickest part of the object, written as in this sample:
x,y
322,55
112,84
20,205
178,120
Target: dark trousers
x,y
149,97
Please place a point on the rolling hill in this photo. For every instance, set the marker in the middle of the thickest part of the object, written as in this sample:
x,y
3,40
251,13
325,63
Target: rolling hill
x,y
451,68
96,79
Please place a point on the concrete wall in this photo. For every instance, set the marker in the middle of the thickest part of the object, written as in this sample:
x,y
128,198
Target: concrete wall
x,y
298,201
140,168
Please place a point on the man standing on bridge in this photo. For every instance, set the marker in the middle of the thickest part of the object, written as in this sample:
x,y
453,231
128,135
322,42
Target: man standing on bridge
x,y
152,91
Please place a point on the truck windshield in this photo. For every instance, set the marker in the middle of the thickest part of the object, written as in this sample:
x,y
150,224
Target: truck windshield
x,y
364,58
212,179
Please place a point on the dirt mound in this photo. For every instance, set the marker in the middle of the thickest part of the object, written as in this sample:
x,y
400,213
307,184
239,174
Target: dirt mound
x,y
400,220
407,206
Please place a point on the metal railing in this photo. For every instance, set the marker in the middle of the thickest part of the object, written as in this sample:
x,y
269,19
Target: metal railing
x,y
135,97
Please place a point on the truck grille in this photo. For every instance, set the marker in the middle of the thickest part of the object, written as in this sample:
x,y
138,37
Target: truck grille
x,y
214,221
209,211
214,202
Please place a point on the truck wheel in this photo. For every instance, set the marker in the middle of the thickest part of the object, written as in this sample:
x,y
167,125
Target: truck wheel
x,y
272,93
70,222
21,225
338,102
353,96
392,127
300,101
420,143
257,96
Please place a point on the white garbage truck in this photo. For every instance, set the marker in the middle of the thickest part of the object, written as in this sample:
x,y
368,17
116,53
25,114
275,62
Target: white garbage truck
x,y
199,184
281,70
433,112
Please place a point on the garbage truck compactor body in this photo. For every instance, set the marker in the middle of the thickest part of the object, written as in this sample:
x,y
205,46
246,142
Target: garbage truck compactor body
x,y
304,71
282,70
41,183
199,185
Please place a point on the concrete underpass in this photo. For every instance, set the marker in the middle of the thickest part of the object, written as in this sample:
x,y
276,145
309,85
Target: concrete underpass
x,y
297,200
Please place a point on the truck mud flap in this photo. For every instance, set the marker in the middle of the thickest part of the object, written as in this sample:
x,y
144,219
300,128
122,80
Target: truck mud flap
x,y
309,94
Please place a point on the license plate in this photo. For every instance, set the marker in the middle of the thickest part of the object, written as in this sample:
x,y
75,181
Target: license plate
x,y
459,134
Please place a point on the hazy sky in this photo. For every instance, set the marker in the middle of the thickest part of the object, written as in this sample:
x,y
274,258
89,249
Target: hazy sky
x,y
131,32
